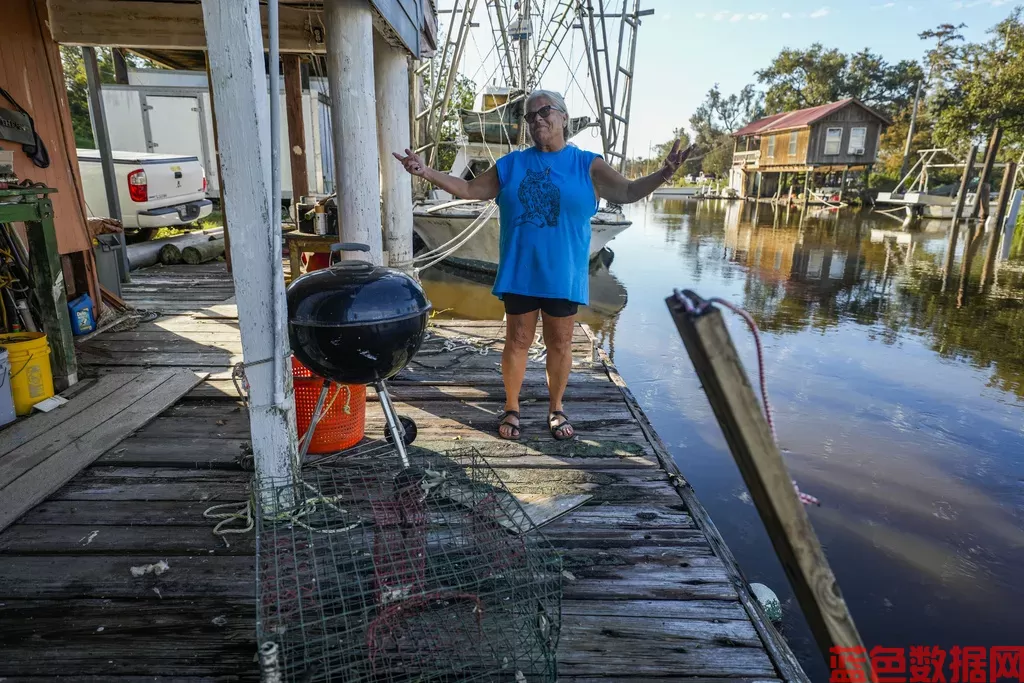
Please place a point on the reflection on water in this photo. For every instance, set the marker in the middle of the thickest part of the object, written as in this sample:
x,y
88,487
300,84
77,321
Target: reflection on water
x,y
900,405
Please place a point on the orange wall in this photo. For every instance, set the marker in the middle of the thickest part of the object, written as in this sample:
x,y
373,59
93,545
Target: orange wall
x,y
30,71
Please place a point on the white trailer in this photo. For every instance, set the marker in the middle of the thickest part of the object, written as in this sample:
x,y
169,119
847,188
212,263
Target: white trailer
x,y
163,111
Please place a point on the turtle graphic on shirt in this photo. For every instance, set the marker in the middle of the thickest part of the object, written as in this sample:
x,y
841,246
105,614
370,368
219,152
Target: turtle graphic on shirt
x,y
540,198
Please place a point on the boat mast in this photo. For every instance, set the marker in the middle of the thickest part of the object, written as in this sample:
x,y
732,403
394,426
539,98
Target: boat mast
x,y
613,89
524,63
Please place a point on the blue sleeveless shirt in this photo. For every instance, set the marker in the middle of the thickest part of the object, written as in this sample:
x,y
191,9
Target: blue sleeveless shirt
x,y
546,200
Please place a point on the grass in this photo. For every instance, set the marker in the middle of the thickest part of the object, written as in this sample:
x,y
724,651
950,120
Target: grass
x,y
214,220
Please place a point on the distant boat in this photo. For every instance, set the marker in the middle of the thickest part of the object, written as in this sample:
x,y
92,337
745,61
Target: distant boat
x,y
675,192
501,124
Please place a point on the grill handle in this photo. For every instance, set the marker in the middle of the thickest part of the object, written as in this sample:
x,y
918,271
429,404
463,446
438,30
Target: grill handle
x,y
349,246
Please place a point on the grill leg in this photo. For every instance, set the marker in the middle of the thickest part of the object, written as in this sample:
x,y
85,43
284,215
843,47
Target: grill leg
x,y
394,424
307,438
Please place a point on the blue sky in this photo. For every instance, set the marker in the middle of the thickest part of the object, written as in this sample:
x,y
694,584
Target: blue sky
x,y
687,46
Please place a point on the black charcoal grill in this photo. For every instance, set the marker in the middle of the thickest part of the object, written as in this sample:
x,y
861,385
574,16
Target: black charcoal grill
x,y
356,323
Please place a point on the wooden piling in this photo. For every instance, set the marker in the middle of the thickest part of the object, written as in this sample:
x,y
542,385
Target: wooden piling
x,y
991,151
220,169
807,188
391,76
958,208
771,487
842,183
296,126
988,270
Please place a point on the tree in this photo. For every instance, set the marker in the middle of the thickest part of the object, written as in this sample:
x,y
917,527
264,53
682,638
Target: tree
x,y
715,120
797,79
982,85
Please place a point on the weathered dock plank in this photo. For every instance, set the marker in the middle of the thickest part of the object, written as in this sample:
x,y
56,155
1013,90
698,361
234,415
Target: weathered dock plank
x,y
651,592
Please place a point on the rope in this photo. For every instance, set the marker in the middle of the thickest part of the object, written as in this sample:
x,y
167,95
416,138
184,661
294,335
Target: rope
x,y
805,498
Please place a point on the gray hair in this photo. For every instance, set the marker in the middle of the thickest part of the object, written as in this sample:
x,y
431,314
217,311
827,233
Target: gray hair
x,y
556,100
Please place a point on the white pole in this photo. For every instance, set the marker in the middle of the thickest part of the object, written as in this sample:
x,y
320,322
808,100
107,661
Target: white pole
x,y
391,74
273,31
349,26
240,97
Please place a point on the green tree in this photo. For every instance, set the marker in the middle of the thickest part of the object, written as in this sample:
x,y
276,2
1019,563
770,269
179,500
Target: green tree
x,y
796,79
982,85
715,120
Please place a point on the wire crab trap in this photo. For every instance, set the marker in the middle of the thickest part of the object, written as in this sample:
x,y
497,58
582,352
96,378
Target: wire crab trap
x,y
417,568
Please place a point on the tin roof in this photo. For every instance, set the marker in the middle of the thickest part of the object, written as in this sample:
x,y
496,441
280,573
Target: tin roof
x,y
800,118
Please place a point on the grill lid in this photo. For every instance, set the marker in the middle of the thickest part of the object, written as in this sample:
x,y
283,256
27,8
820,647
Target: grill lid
x,y
354,293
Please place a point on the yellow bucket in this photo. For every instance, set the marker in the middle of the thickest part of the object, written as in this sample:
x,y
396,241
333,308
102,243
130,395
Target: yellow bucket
x,y
31,377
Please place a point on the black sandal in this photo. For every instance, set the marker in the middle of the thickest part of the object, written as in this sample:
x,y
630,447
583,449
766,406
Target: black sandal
x,y
558,430
516,431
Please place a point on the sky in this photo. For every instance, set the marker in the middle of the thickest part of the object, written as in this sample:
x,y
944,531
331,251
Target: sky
x,y
688,46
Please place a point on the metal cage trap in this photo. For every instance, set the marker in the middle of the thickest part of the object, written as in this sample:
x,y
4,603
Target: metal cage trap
x,y
417,568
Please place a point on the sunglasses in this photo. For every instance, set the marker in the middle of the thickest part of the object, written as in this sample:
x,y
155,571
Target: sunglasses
x,y
543,112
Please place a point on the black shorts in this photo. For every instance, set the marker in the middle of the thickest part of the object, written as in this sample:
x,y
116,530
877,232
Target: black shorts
x,y
516,304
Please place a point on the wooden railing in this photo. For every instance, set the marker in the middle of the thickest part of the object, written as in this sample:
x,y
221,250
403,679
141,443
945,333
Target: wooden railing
x,y
746,158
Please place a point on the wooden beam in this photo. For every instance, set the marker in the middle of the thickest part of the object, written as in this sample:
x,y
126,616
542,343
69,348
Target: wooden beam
x,y
240,91
165,25
771,487
296,126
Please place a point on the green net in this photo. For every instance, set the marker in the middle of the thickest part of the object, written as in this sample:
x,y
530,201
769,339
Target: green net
x,y
371,571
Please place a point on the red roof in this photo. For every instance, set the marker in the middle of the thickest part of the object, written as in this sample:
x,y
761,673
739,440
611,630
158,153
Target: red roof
x,y
800,118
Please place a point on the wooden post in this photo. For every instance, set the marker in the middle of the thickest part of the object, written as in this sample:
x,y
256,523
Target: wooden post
x,y
994,141
220,167
988,270
240,90
842,183
771,487
50,293
296,126
807,188
354,123
120,66
958,209
760,179
391,75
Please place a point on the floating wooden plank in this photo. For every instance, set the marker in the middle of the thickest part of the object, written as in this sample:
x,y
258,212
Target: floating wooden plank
x,y
544,509
85,438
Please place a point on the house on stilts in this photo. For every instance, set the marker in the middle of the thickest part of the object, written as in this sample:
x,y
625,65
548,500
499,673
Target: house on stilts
x,y
772,152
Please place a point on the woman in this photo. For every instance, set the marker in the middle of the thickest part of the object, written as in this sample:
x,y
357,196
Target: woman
x,y
546,195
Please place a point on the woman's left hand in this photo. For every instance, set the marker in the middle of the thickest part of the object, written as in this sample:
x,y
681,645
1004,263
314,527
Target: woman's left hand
x,y
674,160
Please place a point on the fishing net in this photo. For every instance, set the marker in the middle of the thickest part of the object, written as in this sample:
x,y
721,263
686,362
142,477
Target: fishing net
x,y
371,571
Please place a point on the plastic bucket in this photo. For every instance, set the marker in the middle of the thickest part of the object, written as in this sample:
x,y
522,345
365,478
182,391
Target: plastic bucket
x,y
344,422
7,414
31,377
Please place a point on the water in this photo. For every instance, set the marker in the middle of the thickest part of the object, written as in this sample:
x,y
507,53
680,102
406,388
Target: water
x,y
899,406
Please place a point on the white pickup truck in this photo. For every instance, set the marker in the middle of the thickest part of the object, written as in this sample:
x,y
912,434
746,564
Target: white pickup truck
x,y
154,190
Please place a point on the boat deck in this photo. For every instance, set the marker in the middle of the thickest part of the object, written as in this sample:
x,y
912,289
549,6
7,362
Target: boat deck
x,y
654,593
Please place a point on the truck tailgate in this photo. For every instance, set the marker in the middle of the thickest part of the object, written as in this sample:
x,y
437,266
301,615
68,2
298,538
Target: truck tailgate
x,y
174,180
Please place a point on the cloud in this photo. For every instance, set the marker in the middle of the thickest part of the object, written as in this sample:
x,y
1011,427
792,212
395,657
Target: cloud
x,y
787,15
820,12
757,16
738,16
888,5
722,14
701,15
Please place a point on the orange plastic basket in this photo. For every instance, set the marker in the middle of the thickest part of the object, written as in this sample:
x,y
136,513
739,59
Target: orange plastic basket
x,y
344,421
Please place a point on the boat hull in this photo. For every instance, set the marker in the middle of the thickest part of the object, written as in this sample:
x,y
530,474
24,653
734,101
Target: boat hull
x,y
480,252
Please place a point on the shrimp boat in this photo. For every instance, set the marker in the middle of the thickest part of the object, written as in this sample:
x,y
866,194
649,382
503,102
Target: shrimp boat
x,y
465,233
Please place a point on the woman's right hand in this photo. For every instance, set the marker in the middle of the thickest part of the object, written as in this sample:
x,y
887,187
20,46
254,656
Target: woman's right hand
x,y
412,162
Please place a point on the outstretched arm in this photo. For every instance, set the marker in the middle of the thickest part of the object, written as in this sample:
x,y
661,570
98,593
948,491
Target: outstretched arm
x,y
614,187
484,186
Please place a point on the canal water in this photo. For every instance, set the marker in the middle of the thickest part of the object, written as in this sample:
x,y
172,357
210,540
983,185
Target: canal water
x,y
899,404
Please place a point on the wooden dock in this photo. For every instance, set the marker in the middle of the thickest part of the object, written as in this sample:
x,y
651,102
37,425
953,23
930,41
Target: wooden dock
x,y
655,593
